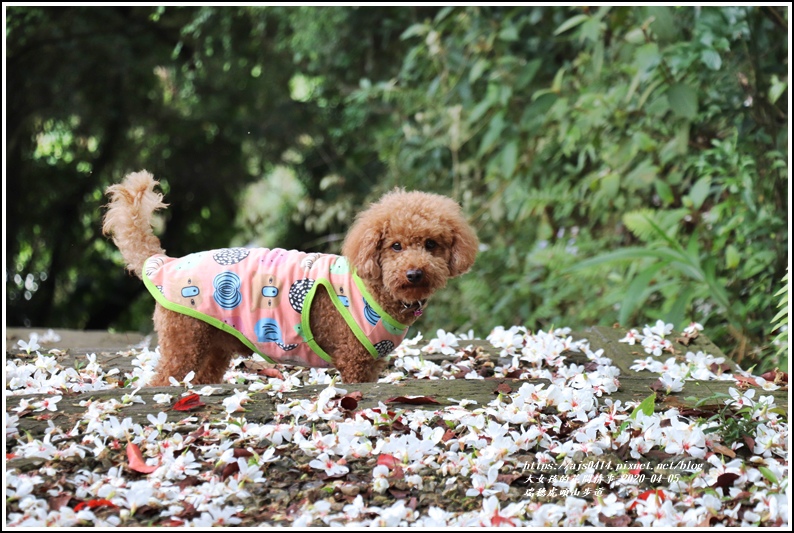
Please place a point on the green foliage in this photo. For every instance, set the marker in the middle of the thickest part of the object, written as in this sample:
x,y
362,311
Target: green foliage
x,y
619,163
780,324
736,425
647,132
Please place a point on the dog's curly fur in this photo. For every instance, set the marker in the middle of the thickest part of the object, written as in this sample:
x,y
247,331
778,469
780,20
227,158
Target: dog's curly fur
x,y
404,235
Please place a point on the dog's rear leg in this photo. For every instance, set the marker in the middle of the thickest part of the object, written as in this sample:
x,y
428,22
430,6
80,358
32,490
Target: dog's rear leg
x,y
188,344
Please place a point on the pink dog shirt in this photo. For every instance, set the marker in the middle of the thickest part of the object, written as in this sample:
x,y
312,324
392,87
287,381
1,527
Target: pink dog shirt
x,y
263,297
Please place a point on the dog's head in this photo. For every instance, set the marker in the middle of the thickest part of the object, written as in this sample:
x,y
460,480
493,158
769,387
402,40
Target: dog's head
x,y
411,243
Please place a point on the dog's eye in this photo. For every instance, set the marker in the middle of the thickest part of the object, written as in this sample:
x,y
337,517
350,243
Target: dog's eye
x,y
430,244
397,247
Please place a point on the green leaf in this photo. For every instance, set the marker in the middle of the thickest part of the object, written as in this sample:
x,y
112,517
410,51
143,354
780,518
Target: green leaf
x,y
415,29
646,407
635,36
635,293
663,25
649,401
646,223
700,191
493,134
528,73
732,257
591,30
683,101
624,254
647,57
610,185
677,312
509,159
642,175
664,191
571,23
768,475
443,13
535,114
776,88
477,69
510,33
711,58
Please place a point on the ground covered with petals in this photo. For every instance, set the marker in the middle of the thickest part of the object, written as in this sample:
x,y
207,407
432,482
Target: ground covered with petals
x,y
555,451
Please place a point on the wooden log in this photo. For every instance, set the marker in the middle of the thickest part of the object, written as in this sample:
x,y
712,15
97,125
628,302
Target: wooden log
x,y
113,351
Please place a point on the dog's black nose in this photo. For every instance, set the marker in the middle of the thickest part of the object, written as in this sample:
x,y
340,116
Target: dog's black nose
x,y
414,275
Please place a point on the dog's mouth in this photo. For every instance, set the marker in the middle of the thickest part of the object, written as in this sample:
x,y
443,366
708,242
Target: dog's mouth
x,y
414,292
421,285
414,284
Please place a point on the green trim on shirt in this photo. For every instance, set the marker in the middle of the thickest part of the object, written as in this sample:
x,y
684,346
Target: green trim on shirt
x,y
185,310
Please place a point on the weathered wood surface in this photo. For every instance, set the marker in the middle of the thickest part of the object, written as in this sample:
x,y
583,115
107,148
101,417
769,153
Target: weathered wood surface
x,y
112,350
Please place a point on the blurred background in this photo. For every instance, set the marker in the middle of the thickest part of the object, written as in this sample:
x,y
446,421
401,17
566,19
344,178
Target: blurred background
x,y
620,165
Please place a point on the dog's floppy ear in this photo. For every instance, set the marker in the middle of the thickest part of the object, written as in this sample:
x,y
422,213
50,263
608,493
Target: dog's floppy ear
x,y
464,248
362,249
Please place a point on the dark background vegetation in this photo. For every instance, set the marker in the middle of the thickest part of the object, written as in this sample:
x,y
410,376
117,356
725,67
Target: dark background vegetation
x,y
621,164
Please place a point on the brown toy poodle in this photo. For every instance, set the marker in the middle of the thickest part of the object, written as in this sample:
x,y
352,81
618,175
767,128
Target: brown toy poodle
x,y
291,307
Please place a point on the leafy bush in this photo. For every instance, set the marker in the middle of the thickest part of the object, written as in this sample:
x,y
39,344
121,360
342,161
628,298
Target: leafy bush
x,y
655,132
621,164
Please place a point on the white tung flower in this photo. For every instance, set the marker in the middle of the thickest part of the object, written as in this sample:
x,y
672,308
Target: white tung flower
x,y
332,468
671,383
234,403
631,337
739,400
50,404
444,343
30,346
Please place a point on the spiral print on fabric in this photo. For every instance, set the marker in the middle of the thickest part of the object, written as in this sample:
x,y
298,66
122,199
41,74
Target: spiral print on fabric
x,y
227,290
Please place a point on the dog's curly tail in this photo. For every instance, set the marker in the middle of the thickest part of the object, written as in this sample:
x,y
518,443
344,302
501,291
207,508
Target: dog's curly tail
x,y
129,218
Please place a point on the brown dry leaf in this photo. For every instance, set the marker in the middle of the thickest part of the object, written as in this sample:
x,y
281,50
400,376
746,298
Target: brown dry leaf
x,y
189,481
508,478
229,470
615,521
674,401
56,502
724,450
348,403
719,369
241,452
412,503
659,455
704,411
725,481
776,376
399,494
744,382
270,373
